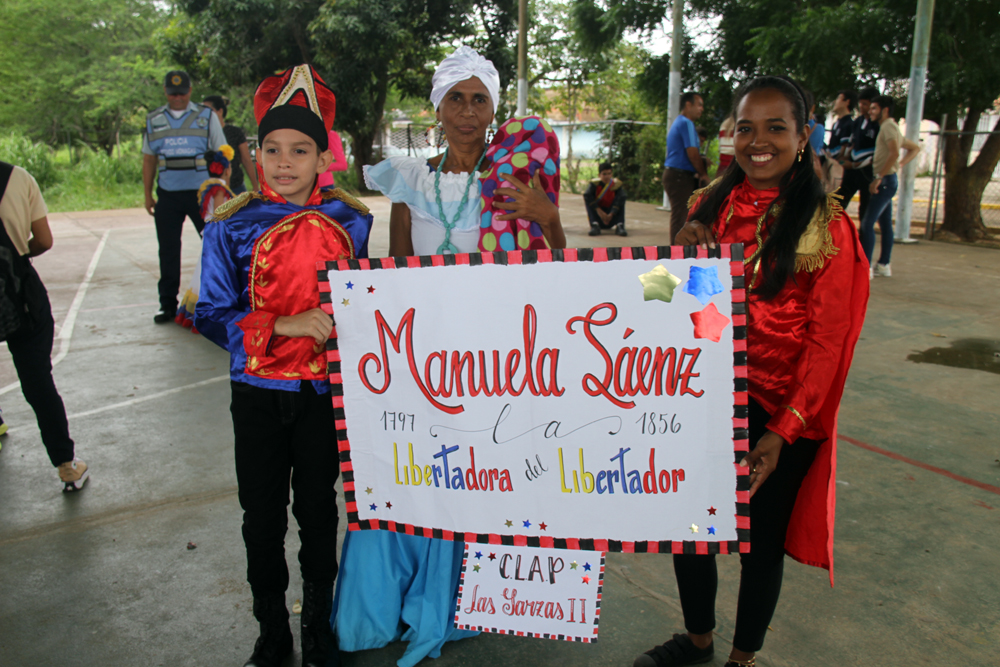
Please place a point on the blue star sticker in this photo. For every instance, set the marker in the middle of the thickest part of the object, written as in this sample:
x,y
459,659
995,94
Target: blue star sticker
x,y
479,554
527,524
350,285
711,530
586,566
373,506
703,283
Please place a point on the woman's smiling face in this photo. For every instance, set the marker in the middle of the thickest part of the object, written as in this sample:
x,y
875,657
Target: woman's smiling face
x,y
767,141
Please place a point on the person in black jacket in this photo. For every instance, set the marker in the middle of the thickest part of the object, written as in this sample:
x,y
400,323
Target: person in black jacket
x,y
605,200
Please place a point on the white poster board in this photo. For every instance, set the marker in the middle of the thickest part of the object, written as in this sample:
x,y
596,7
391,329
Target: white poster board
x,y
581,399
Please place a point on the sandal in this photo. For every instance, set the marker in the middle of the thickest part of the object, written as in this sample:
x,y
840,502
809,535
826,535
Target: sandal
x,y
678,651
752,662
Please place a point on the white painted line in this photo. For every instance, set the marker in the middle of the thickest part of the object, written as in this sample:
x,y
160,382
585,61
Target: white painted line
x,y
66,330
136,401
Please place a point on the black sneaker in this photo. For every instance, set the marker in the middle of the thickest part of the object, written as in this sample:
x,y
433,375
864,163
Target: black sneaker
x,y
679,650
620,230
164,316
594,231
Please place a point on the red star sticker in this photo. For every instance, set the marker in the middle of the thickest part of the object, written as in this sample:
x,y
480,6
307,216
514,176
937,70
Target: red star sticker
x,y
709,323
371,289
711,510
586,580
493,556
543,526
388,506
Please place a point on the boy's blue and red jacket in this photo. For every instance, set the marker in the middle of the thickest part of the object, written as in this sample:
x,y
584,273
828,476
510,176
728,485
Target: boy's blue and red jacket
x,y
259,259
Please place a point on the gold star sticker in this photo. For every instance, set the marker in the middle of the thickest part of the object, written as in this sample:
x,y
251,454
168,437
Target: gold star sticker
x,y
346,302
368,490
659,284
475,568
694,528
573,565
508,523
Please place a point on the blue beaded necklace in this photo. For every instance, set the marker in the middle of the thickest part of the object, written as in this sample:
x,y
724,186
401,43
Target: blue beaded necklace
x,y
447,245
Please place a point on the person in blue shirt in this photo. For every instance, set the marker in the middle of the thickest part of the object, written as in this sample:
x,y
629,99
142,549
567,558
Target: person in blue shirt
x,y
260,301
684,169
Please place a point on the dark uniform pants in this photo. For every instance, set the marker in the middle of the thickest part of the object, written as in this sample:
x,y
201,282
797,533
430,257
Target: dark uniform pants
x,y
679,185
171,209
855,181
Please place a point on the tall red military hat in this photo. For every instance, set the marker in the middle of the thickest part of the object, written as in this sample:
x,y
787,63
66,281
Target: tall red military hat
x,y
296,99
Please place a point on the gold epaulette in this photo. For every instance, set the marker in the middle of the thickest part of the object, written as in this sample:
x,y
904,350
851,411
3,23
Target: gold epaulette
x,y
702,191
233,205
339,194
816,243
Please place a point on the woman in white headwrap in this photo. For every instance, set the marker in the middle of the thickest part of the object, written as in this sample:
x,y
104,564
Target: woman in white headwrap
x,y
395,586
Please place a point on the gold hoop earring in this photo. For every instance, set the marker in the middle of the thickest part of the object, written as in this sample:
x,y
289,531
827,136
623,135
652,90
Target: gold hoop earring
x,y
799,158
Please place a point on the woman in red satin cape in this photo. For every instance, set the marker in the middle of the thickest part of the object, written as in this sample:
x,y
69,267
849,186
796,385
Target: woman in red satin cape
x,y
806,279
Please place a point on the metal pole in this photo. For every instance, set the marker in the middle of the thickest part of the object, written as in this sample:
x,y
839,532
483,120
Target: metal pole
x,y
522,58
674,83
914,112
928,229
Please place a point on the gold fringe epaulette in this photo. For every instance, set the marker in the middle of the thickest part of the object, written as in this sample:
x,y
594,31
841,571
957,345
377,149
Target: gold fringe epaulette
x,y
816,243
701,191
341,195
233,205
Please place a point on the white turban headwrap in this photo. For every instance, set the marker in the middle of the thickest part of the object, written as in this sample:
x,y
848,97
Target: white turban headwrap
x,y
464,64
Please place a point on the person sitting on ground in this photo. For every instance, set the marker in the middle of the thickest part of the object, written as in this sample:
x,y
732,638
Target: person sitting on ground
x,y
806,294
605,202
26,316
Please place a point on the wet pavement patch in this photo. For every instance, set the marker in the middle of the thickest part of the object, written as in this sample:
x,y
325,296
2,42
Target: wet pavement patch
x,y
981,354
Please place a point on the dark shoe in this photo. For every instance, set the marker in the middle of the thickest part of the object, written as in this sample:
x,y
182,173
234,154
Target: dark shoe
x,y
275,641
678,651
620,230
164,316
594,231
319,646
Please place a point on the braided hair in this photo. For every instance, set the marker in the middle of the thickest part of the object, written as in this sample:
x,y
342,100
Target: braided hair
x,y
799,193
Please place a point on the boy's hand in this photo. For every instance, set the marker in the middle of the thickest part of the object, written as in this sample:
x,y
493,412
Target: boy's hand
x,y
313,324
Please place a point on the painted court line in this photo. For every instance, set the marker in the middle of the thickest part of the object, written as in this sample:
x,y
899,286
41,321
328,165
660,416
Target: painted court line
x,y
920,464
66,330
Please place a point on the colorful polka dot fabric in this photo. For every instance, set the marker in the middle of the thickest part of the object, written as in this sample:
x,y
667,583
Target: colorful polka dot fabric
x,y
522,147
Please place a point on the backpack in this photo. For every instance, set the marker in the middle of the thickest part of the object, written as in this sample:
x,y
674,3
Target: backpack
x,y
22,295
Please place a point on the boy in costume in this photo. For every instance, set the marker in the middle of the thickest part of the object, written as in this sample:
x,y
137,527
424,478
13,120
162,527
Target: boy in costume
x,y
260,300
605,201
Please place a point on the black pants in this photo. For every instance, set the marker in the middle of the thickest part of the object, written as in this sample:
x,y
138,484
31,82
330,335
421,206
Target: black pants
x,y
855,181
171,209
31,349
679,186
282,435
762,568
617,219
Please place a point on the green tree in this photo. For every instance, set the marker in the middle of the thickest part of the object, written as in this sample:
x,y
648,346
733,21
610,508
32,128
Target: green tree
x,y
830,44
88,70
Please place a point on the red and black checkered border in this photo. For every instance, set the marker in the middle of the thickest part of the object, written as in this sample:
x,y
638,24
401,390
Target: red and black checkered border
x,y
741,443
538,635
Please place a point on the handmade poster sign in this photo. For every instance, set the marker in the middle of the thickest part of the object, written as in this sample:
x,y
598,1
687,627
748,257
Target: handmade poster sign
x,y
590,399
534,592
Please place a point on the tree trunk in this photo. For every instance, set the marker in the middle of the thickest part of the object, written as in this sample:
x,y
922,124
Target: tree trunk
x,y
964,183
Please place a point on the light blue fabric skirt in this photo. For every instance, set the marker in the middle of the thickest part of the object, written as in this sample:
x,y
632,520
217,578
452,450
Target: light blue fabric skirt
x,y
394,586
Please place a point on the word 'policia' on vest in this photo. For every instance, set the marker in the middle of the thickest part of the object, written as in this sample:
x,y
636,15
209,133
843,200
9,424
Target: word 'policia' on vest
x,y
180,143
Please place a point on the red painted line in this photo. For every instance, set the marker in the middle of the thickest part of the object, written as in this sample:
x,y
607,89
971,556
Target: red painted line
x,y
920,464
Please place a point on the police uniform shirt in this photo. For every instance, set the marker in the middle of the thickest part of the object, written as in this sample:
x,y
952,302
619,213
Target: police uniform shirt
x,y
21,205
216,138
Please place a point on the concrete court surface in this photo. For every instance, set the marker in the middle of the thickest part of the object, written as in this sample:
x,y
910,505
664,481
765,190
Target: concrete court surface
x,y
105,576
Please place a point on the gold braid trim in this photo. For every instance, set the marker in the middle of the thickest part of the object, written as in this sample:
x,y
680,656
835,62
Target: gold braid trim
x,y
816,243
233,205
702,191
339,194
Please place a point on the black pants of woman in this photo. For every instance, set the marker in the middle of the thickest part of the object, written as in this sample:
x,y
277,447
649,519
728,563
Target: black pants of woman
x,y
762,568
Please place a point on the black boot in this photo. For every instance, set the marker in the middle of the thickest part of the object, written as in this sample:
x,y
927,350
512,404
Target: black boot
x,y
275,641
319,646
620,229
595,230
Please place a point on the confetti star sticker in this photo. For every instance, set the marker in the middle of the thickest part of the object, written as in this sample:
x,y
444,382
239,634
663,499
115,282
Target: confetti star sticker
x,y
479,554
586,566
475,568
694,528
711,530
350,285
711,510
573,565
373,506
346,302
371,289
388,506
703,283
709,323
527,524
586,580
543,526
508,523
493,556
659,284
368,490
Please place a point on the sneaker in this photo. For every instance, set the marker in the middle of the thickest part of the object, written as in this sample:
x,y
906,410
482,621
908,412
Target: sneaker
x,y
883,270
73,474
594,231
620,230
163,316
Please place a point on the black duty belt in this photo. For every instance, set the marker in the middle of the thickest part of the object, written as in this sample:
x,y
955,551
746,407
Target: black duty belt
x,y
176,163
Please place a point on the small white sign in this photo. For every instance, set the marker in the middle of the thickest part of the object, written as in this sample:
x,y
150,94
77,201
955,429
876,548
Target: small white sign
x,y
531,592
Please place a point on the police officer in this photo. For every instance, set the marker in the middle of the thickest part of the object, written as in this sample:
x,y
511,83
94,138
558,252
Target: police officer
x,y
177,136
